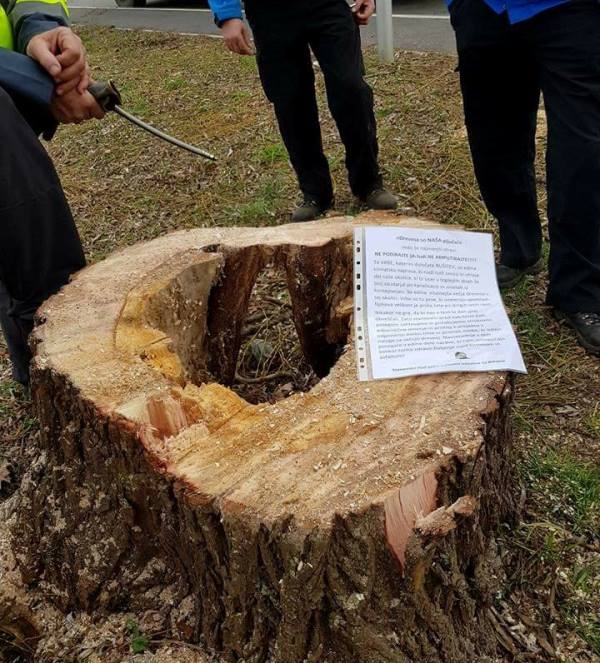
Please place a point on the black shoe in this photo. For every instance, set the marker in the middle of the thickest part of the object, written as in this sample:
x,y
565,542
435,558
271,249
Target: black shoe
x,y
380,199
509,277
309,210
586,326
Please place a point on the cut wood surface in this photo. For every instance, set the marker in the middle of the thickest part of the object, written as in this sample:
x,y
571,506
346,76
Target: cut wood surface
x,y
353,522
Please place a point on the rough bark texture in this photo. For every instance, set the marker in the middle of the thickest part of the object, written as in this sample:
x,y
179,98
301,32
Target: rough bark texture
x,y
352,523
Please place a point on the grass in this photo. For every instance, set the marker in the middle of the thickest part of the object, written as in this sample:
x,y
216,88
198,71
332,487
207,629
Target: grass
x,y
271,154
574,485
592,422
263,207
20,422
175,83
125,187
554,559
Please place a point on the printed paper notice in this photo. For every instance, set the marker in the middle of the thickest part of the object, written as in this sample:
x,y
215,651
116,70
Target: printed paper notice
x,y
427,301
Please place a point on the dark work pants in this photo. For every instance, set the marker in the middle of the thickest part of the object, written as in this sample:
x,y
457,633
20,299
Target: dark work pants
x,y
503,69
284,32
39,244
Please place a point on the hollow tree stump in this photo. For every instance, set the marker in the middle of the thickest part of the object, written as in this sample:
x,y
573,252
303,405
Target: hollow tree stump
x,y
351,523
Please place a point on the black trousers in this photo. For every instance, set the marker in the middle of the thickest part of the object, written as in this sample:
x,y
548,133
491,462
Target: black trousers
x,y
503,70
284,32
39,244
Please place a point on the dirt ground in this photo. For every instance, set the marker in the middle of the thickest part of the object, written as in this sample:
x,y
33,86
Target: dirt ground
x,y
125,187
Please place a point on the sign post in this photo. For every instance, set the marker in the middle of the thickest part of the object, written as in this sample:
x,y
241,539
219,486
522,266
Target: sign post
x,y
385,30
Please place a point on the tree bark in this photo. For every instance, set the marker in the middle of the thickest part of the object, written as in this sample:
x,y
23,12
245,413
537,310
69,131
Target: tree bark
x,y
352,523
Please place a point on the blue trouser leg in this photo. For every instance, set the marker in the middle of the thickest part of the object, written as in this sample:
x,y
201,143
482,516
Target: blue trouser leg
x,y
39,244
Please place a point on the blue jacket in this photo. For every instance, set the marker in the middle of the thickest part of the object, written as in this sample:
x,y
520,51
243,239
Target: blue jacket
x,y
225,9
521,10
518,10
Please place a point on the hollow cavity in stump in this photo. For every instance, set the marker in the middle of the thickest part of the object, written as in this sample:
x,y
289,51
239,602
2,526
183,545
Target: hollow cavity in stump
x,y
271,365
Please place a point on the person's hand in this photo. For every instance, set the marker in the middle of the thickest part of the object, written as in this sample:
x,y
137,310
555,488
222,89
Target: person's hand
x,y
363,10
62,54
237,37
74,108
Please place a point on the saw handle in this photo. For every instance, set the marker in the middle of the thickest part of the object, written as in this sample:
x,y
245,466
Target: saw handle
x,y
106,94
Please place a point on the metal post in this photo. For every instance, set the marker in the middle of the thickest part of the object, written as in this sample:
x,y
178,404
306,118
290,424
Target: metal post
x,y
385,30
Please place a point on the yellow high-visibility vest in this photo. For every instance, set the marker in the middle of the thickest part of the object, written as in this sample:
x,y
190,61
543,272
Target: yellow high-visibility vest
x,y
12,12
6,35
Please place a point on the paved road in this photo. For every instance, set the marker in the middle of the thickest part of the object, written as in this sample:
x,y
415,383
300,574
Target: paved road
x,y
420,25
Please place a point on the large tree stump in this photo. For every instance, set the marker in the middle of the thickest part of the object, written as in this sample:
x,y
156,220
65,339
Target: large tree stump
x,y
351,523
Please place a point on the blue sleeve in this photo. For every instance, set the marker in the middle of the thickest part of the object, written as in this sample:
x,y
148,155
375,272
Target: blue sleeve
x,y
225,9
34,24
22,76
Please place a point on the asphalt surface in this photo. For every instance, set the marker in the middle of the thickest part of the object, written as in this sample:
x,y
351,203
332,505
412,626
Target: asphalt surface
x,y
419,25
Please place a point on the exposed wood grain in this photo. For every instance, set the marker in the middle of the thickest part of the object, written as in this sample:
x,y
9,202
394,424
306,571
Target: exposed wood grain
x,y
340,525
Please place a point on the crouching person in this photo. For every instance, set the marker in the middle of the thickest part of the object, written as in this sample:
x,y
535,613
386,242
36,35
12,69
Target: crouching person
x,y
39,244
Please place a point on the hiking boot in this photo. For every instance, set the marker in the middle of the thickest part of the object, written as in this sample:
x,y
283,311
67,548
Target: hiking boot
x,y
381,199
309,210
586,326
509,277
